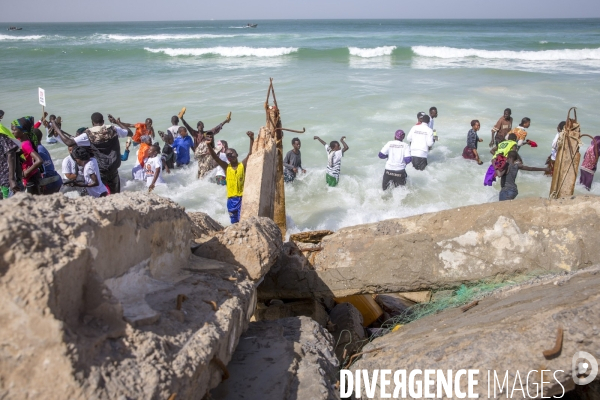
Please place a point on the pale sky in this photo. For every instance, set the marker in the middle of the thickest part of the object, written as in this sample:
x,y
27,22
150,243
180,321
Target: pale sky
x,y
247,10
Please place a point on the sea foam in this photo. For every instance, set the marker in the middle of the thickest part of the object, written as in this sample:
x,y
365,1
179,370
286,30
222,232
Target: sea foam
x,y
227,51
29,37
372,52
545,55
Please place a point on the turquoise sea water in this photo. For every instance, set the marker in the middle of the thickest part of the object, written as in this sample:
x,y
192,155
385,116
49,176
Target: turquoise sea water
x,y
361,79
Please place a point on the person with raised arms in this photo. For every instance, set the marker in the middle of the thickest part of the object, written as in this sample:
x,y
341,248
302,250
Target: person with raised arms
x,y
103,140
205,162
235,173
141,129
334,159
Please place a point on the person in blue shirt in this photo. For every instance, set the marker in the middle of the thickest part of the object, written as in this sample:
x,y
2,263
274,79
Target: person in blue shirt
x,y
182,146
51,181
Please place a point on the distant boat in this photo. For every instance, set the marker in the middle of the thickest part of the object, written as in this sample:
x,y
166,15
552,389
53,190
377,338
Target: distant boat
x,y
251,25
14,28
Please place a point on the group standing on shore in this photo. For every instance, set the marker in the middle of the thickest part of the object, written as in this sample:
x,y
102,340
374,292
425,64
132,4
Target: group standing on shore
x,y
92,167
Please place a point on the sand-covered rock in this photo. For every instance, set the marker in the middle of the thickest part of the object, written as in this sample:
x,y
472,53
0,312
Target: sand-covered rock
x,y
253,244
508,331
89,291
445,249
286,359
203,225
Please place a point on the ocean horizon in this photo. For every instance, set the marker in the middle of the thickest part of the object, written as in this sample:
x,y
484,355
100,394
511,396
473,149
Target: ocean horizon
x,y
363,79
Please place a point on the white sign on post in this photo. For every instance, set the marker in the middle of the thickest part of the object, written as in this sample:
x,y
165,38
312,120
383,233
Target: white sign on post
x,y
42,95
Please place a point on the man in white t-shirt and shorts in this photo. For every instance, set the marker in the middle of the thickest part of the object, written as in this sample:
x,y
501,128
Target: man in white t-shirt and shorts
x,y
420,138
397,154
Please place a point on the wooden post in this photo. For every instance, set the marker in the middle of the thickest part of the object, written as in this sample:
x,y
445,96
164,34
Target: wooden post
x,y
264,191
566,165
273,123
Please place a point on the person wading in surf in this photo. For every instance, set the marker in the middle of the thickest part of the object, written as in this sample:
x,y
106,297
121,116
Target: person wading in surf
x,y
235,173
502,127
205,162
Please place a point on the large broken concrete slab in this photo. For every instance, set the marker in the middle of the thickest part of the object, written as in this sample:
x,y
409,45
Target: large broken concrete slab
x,y
89,291
508,331
444,249
286,359
261,173
252,244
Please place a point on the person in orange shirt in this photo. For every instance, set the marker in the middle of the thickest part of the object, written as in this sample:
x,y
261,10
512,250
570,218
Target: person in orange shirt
x,y
141,129
521,131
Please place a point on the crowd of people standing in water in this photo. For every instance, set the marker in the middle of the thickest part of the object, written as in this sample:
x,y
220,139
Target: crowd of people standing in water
x,y
92,167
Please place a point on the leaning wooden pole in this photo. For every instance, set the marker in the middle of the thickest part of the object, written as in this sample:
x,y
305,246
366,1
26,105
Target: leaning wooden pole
x,y
274,126
566,165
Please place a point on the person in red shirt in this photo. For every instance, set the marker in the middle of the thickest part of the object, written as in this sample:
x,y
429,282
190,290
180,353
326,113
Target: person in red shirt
x,y
22,129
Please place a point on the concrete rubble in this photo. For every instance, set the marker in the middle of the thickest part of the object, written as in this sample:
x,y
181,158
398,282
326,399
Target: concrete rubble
x,y
287,359
203,226
130,297
252,244
507,331
444,249
90,291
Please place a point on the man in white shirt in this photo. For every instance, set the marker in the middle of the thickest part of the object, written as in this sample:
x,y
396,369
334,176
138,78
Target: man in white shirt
x,y
174,129
420,138
397,154
104,141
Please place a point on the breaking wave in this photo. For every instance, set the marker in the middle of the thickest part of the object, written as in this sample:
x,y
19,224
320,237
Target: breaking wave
x,y
227,51
545,55
372,52
29,37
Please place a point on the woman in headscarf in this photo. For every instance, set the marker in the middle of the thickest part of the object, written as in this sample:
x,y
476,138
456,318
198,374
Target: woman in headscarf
x,y
22,129
589,164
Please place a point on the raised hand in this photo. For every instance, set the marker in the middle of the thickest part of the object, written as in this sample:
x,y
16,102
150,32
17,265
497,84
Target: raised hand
x,y
250,135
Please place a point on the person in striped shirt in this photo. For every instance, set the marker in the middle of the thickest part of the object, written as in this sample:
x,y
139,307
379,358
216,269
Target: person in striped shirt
x,y
334,159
